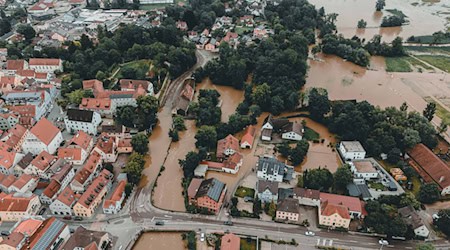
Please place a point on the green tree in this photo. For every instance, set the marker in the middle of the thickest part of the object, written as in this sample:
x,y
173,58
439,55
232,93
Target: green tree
x,y
380,5
342,177
443,221
27,31
178,123
76,96
425,246
190,162
429,111
272,209
262,96
140,143
147,108
442,127
134,168
298,153
362,24
206,137
429,193
257,206
408,198
319,104
5,26
318,178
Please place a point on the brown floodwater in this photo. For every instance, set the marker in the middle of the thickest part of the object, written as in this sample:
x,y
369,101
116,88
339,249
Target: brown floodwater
x,y
424,18
157,241
229,97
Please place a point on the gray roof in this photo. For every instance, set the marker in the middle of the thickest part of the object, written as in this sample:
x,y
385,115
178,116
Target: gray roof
x,y
212,188
263,185
271,166
50,235
410,216
284,193
80,115
353,146
360,190
289,205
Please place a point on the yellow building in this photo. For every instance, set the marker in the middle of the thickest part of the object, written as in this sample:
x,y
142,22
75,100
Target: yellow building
x,y
332,215
15,206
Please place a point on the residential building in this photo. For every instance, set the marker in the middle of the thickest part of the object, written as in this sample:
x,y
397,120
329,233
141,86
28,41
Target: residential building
x,y
40,165
364,169
64,175
209,195
15,65
99,105
292,131
114,204
86,239
82,120
8,120
52,234
249,137
430,167
307,197
231,165
9,159
14,138
6,182
334,215
354,206
27,103
64,202
14,207
351,150
412,218
85,175
44,136
25,183
14,241
50,192
132,85
27,113
106,146
272,170
288,210
227,146
46,65
267,191
230,241
124,145
23,164
94,194
77,149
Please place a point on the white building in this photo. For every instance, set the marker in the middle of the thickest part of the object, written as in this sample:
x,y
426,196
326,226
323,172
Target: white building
x,y
413,219
82,120
114,204
364,169
8,120
272,170
307,197
46,65
292,131
64,203
8,160
267,191
44,136
25,183
351,150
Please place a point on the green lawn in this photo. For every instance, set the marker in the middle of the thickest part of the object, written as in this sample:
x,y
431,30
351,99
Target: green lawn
x,y
428,40
141,65
441,62
429,49
310,134
416,63
153,6
377,186
242,30
416,185
397,64
247,244
441,112
244,191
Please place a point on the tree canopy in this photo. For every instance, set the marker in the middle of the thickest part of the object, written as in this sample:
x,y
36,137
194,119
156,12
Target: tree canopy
x,y
140,143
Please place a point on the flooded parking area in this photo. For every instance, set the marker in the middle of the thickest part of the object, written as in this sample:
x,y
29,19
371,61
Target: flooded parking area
x,y
424,18
157,241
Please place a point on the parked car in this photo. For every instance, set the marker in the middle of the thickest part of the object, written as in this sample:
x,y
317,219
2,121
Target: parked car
x,y
159,223
78,218
248,199
228,223
309,233
67,217
383,242
42,211
202,237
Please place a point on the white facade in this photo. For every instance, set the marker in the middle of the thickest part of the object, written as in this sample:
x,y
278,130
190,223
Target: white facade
x,y
59,208
422,231
351,150
267,197
8,122
360,174
10,170
88,127
33,145
291,136
47,68
270,177
29,186
445,191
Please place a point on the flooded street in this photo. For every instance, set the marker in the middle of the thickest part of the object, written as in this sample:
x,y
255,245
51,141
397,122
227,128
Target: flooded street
x,y
425,18
157,241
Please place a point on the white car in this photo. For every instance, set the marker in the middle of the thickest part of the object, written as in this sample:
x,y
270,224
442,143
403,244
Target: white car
x,y
383,242
202,237
309,233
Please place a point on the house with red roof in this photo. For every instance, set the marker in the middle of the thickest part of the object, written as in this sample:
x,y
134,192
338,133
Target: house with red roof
x,y
114,203
14,138
25,183
77,149
355,206
44,136
50,192
430,167
99,105
230,242
288,210
15,65
40,165
51,234
107,147
227,146
9,159
334,215
249,137
46,65
27,114
85,175
64,202
14,207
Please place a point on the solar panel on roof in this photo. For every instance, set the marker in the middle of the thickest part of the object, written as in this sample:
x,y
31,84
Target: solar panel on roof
x,y
48,237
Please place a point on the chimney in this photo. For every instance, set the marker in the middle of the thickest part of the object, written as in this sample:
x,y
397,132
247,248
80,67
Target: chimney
x,y
441,179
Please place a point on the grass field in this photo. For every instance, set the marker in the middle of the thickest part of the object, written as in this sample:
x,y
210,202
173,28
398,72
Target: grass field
x,y
416,63
441,62
428,40
244,191
140,65
441,112
310,134
397,64
247,244
429,49
242,30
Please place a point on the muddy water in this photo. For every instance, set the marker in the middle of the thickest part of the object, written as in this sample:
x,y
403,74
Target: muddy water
x,y
229,97
424,18
157,241
168,192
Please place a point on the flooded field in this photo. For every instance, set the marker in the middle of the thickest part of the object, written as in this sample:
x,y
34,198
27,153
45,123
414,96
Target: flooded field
x,y
424,18
172,241
229,97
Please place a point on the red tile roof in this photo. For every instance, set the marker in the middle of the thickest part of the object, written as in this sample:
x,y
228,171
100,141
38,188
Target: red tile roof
x,y
105,143
44,61
117,195
28,226
353,203
26,73
193,187
5,80
13,240
51,189
249,135
44,160
23,180
70,153
14,135
45,131
233,161
130,84
307,193
8,181
67,196
229,142
230,242
95,103
9,203
15,64
24,110
7,158
431,164
93,84
92,192
329,209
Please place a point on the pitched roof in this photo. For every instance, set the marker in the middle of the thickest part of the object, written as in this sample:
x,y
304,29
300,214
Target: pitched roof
x,y
329,209
212,188
289,205
271,185
133,84
44,61
15,64
70,153
93,84
47,234
51,189
229,142
8,181
28,226
81,139
45,131
7,158
67,197
13,203
431,164
353,203
233,161
61,174
94,189
194,186
13,240
80,115
249,135
24,110
14,135
84,238
230,242
116,195
105,143
411,217
307,193
23,180
95,103
44,160
271,166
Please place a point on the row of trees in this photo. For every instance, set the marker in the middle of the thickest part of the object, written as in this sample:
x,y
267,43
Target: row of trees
x,y
295,155
380,131
322,179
